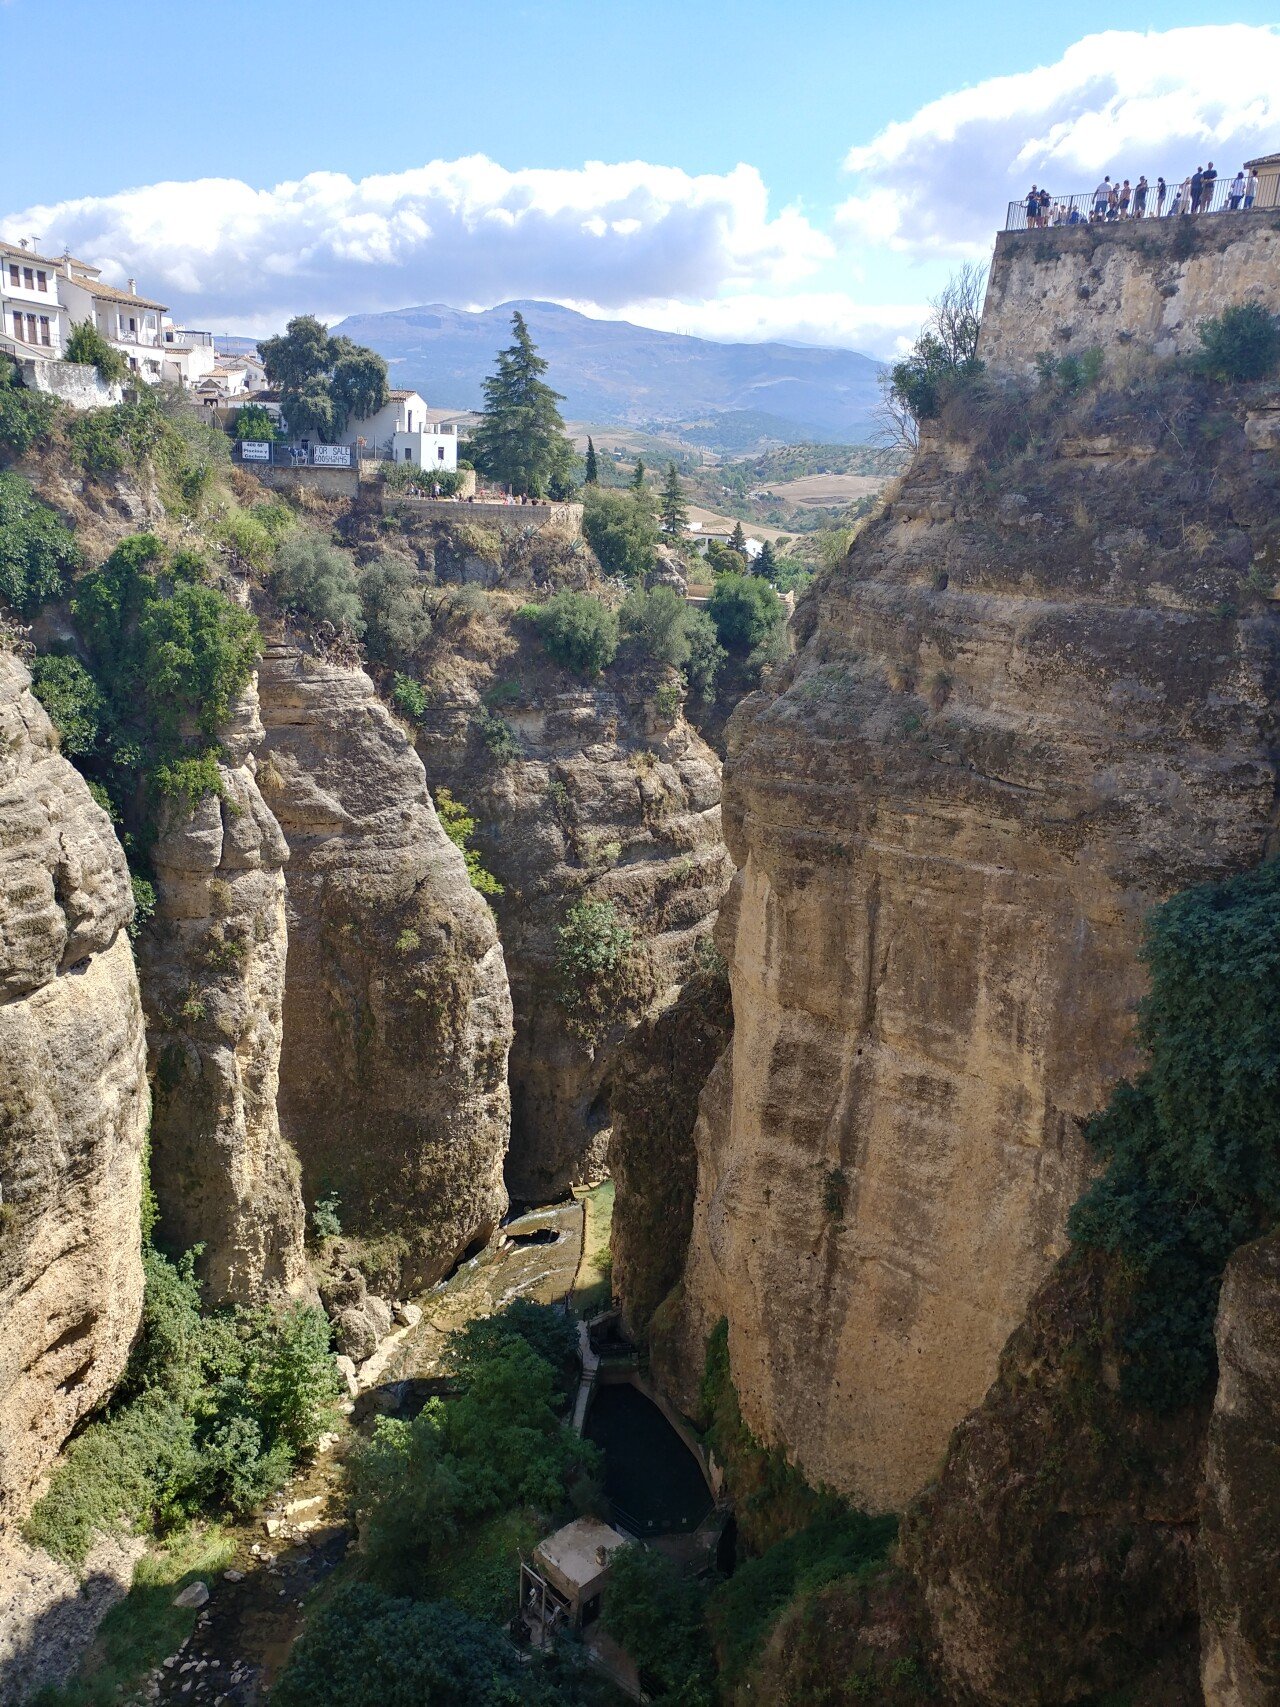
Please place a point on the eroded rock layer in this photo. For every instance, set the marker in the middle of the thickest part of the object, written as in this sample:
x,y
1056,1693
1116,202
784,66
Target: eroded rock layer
x,y
1013,724
397,1014
73,1099
603,800
1240,1528
213,972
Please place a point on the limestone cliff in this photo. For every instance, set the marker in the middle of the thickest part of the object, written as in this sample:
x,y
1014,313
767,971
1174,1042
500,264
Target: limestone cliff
x,y
397,1015
1036,699
213,973
597,797
73,1099
1239,1554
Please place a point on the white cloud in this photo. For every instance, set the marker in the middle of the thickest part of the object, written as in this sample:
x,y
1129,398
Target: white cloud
x,y
1119,102
466,232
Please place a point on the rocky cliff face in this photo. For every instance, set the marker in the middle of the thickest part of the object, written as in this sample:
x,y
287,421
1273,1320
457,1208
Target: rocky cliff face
x,y
1035,700
213,974
73,1099
1240,1529
598,798
397,1015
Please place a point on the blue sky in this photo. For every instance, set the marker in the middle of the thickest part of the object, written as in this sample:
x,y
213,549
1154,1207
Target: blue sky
x,y
275,93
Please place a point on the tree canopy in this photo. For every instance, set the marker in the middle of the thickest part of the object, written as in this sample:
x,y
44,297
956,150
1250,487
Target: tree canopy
x,y
521,441
673,512
619,528
323,382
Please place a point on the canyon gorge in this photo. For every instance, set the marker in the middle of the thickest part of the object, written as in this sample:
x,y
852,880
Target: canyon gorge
x,y
873,972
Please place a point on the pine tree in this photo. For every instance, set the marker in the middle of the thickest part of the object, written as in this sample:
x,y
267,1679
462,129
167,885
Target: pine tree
x,y
593,466
672,509
738,540
637,479
767,562
520,441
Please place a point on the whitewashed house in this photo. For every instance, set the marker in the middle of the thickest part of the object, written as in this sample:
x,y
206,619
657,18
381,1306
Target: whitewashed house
x,y
403,431
33,320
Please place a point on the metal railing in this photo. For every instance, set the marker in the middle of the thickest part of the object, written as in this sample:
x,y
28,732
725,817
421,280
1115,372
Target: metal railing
x,y
1091,207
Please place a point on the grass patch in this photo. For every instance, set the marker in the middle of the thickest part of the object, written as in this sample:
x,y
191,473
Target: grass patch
x,y
593,1288
480,1571
146,1626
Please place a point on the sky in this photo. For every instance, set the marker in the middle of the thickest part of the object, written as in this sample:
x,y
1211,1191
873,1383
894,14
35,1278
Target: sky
x,y
810,171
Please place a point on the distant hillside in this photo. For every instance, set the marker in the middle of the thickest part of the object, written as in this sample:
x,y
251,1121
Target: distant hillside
x,y
614,373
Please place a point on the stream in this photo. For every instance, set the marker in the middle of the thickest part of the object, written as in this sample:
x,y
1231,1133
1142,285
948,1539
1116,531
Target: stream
x,y
243,1635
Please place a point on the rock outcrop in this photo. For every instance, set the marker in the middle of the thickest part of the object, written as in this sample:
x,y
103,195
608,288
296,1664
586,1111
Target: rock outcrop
x,y
213,974
1240,1526
597,797
73,1099
1018,717
397,1014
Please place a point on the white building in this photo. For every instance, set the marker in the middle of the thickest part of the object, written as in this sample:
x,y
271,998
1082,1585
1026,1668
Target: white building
x,y
41,299
403,431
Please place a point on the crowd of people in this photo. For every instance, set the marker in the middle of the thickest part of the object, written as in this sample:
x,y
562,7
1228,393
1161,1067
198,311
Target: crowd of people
x,y
1142,200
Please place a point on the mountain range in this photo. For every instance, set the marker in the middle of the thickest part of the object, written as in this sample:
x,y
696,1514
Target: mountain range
x,y
615,374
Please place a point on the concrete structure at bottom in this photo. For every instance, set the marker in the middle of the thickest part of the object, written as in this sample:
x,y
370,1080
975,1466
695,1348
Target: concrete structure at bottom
x,y
563,1587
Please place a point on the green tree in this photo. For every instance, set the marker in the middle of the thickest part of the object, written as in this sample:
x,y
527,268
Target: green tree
x,y
1241,343
324,382
253,422
618,526
656,1612
673,512
520,441
73,700
315,580
746,612
738,541
458,824
397,621
657,623
86,345
637,476
577,631
944,356
767,562
592,477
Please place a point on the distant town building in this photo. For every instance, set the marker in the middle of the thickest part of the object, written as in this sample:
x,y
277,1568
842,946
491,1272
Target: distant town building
x,y
42,297
403,430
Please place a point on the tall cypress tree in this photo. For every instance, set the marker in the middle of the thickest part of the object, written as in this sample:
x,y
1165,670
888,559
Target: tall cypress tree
x,y
672,509
593,466
738,540
520,441
637,478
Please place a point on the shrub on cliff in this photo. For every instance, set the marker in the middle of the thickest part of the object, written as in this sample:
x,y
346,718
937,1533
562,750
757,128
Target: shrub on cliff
x,y
577,631
26,416
73,700
86,345
316,582
458,824
393,603
593,953
36,550
944,358
655,1611
1192,1145
746,612
1240,344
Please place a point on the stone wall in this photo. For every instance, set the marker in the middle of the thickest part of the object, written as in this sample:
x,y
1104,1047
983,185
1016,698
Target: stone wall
x,y
328,482
1141,285
563,518
79,386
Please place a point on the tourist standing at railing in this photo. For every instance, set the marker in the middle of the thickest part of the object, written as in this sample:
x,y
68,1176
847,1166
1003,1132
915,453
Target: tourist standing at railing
x,y
1197,189
1101,196
1250,188
1207,187
1182,204
1124,198
1235,195
1140,198
1033,207
1162,190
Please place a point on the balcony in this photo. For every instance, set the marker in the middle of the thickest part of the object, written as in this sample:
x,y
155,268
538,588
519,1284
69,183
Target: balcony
x,y
1087,208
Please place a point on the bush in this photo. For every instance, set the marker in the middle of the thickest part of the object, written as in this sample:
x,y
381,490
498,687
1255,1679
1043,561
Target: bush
x,y
545,1330
397,621
1070,373
657,623
499,737
123,439
316,581
36,550
706,654
409,698
365,1648
251,537
87,346
746,612
423,482
593,952
1193,1145
458,824
26,417
252,421
840,1544
73,700
577,631
655,1612
1241,343
620,530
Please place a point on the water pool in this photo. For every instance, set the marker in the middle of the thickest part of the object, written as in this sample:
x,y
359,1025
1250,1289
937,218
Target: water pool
x,y
652,1481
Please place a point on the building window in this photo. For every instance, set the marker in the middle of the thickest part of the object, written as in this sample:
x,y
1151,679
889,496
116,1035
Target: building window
x,y
28,278
42,280
410,426
44,330
440,454
17,326
408,454
14,275
32,335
